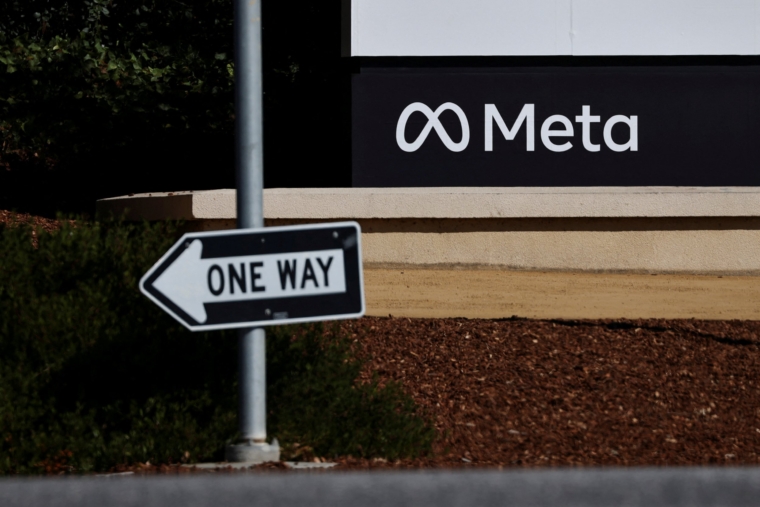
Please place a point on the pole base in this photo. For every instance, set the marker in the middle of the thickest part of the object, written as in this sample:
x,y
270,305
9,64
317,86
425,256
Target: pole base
x,y
250,452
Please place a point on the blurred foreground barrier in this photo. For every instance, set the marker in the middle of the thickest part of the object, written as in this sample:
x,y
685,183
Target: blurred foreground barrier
x,y
687,487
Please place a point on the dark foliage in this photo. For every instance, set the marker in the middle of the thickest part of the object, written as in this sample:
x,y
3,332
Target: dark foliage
x,y
313,377
93,375
100,98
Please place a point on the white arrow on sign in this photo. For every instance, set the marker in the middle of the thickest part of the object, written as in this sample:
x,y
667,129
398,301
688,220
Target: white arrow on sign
x,y
191,281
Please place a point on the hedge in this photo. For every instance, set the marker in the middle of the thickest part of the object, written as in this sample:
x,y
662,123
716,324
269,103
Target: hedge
x,y
93,375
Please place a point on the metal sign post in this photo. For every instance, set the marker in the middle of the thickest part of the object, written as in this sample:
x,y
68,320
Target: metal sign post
x,y
249,172
252,276
247,278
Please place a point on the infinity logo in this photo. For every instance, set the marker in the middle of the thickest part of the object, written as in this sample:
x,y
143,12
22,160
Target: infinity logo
x,y
433,123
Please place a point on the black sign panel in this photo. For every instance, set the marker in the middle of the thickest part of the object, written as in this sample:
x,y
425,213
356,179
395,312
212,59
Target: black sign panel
x,y
247,278
624,126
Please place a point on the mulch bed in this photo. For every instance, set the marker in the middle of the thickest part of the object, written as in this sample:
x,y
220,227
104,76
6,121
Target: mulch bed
x,y
529,393
10,218
13,219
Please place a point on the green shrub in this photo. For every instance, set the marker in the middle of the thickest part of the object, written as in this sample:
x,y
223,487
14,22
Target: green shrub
x,y
93,375
315,399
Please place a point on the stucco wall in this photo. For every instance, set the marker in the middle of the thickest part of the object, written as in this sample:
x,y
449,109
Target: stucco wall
x,y
634,230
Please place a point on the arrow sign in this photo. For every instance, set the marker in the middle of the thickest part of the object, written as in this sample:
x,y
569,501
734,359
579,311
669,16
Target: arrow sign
x,y
258,277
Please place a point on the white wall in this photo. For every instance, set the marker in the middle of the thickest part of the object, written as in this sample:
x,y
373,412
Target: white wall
x,y
554,27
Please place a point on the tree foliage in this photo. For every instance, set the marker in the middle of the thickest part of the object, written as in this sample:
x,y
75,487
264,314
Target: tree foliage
x,y
100,98
78,73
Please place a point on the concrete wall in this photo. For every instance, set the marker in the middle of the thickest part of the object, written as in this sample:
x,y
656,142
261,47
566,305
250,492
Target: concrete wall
x,y
628,230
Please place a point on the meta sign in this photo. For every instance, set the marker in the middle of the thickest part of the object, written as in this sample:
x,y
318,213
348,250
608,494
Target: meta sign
x,y
257,277
596,126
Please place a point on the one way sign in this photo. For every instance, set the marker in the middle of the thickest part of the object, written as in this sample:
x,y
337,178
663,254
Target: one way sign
x,y
258,277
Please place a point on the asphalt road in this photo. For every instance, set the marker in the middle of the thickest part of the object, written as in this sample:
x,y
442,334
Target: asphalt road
x,y
687,487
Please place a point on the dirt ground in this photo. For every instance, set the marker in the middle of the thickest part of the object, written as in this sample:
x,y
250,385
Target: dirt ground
x,y
489,293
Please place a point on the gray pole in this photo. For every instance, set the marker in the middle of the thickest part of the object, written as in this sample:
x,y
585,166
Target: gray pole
x,y
248,115
249,162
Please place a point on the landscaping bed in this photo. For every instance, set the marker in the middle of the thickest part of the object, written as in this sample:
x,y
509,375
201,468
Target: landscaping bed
x,y
520,392
95,378
536,393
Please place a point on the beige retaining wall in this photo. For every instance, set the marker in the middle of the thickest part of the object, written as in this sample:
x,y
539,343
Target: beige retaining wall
x,y
541,253
628,230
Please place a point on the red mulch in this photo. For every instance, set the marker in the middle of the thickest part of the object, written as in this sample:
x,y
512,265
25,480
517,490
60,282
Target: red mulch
x,y
554,393
532,393
11,218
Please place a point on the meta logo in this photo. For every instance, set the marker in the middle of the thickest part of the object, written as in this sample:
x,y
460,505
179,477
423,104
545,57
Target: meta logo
x,y
553,129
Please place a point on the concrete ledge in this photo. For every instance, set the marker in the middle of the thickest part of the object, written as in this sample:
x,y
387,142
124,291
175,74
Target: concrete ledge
x,y
625,230
458,203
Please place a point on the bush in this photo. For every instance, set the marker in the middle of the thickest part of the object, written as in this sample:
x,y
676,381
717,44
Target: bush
x,y
315,400
93,375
